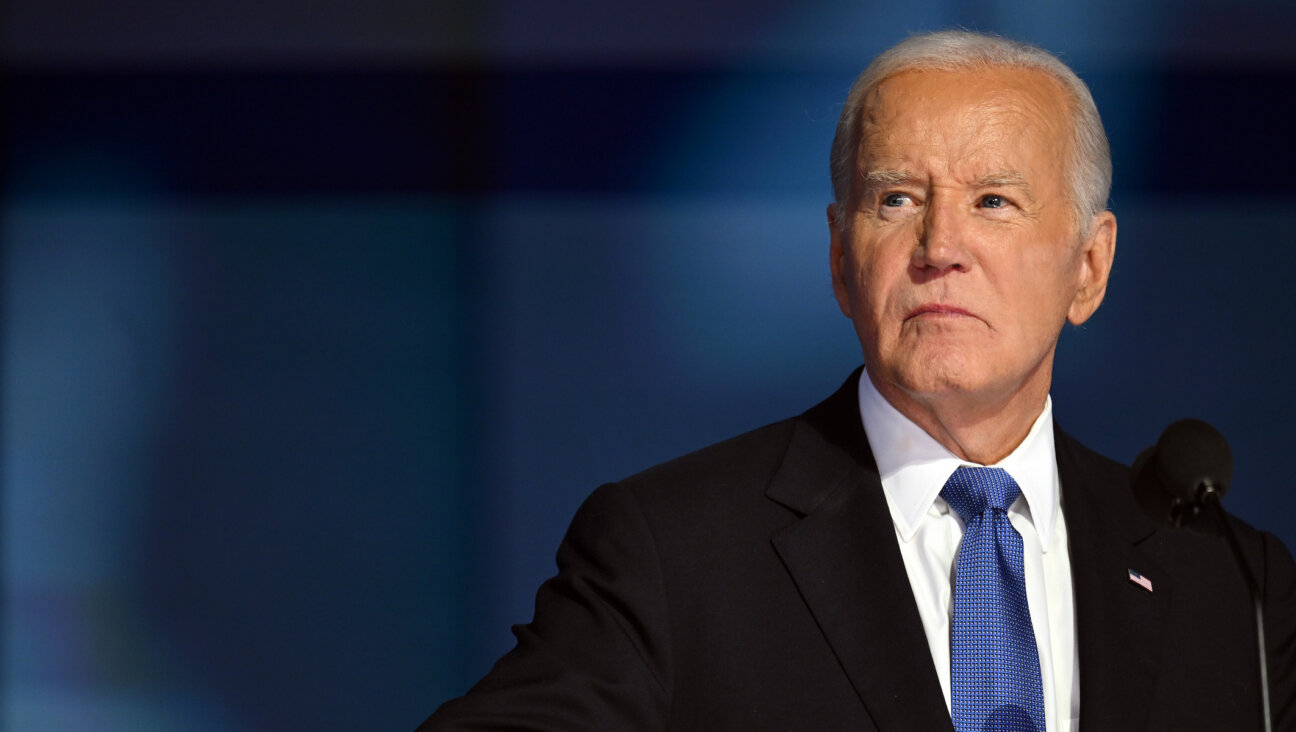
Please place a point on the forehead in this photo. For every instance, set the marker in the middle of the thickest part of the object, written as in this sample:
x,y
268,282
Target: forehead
x,y
985,117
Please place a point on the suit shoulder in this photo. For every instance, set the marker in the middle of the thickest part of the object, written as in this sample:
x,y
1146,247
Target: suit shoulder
x,y
1072,452
745,460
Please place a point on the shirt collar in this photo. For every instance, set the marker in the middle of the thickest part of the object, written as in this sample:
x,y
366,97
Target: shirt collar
x,y
913,466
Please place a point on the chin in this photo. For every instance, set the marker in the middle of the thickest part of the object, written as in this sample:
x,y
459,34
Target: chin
x,y
934,380
944,370
926,384
935,389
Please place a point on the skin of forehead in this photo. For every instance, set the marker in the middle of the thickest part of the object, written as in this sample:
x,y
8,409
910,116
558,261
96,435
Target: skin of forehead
x,y
1001,104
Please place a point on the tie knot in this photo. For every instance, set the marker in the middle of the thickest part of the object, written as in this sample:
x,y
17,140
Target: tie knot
x,y
970,491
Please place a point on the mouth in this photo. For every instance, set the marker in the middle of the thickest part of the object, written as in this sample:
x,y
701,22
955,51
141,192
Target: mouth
x,y
937,310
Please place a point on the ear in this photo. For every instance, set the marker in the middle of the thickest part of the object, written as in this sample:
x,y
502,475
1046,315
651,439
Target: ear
x,y
837,261
1096,255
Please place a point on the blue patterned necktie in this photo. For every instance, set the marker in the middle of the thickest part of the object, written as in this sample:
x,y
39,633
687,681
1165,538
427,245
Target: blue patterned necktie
x,y
994,666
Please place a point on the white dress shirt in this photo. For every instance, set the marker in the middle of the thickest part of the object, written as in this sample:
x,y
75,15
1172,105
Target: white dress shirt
x,y
914,467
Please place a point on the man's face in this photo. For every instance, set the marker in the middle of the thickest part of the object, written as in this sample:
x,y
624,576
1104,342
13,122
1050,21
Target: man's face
x,y
958,256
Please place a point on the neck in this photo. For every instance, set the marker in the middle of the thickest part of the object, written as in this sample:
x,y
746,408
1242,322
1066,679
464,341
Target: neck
x,y
976,428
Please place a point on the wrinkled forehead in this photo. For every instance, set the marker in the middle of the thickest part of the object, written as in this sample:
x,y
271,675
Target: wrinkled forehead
x,y
967,114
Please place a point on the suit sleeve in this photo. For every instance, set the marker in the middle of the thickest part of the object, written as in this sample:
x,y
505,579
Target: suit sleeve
x,y
596,655
1280,631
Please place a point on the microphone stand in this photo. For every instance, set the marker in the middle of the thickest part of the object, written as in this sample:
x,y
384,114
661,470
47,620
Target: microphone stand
x,y
1210,501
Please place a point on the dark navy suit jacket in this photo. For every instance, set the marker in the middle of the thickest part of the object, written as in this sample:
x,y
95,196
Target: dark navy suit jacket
x,y
757,585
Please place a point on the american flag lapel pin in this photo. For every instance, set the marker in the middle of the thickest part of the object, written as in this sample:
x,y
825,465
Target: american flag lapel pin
x,y
1140,580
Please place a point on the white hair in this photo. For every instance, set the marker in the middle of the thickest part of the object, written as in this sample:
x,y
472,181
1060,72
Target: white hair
x,y
1089,169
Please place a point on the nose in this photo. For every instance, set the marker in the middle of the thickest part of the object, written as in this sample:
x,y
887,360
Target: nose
x,y
942,239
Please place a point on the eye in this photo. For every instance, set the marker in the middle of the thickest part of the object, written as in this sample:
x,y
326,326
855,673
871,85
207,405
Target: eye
x,y
896,200
991,200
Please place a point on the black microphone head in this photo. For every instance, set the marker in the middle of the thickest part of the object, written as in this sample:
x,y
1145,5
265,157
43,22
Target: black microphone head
x,y
1193,458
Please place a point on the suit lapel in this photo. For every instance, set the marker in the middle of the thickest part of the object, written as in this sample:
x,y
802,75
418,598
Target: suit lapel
x,y
1119,623
843,557
842,554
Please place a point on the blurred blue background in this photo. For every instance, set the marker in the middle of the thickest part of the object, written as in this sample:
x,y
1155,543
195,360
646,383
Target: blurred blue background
x,y
320,319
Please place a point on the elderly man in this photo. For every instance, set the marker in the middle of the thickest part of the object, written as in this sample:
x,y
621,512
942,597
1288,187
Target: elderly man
x,y
923,550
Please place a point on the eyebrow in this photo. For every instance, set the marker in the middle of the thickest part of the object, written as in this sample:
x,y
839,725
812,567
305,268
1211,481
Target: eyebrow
x,y
1006,178
887,175
1003,178
1011,178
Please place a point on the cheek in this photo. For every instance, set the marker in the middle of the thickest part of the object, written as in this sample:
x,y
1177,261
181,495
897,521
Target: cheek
x,y
873,292
880,269
1045,297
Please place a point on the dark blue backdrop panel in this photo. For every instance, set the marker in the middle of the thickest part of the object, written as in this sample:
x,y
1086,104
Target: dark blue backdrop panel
x,y
1193,327
628,331
305,370
235,443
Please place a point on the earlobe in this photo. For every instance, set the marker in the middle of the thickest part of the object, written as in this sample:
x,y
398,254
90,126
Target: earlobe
x,y
1097,254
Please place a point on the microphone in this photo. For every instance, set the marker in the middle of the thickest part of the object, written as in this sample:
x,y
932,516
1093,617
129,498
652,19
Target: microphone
x,y
1180,480
1189,467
